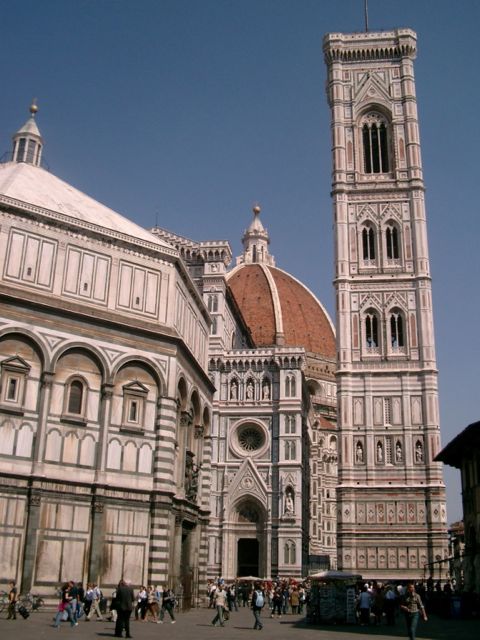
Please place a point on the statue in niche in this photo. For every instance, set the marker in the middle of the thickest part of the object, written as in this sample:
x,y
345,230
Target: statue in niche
x,y
359,452
418,452
379,452
398,452
250,390
191,478
266,391
233,390
289,504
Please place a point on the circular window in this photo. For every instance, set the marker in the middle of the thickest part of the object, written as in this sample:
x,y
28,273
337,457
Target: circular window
x,y
251,438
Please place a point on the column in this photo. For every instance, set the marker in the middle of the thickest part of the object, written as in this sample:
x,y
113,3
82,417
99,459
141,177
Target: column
x,y
97,538
33,524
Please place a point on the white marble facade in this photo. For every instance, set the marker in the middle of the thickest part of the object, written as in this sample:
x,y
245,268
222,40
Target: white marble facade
x,y
391,498
105,402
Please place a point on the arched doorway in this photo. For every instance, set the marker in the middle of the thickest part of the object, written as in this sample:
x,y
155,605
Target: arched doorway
x,y
250,540
247,557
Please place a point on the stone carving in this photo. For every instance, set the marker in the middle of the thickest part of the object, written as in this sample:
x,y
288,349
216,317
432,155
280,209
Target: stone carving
x,y
191,477
418,452
199,431
233,390
266,390
359,453
250,390
379,452
35,500
398,452
98,507
289,508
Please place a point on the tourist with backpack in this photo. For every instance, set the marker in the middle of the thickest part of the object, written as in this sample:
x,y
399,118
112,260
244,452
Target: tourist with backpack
x,y
258,602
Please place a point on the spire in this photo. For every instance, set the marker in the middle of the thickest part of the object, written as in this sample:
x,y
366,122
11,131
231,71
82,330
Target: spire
x,y
27,141
255,242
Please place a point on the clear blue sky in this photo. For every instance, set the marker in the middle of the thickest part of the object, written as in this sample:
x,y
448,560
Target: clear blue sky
x,y
193,109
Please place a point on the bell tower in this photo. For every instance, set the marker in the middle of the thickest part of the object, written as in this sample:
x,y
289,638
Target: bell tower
x,y
391,500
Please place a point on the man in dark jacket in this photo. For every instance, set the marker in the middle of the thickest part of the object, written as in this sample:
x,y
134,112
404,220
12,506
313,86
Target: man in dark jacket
x,y
124,605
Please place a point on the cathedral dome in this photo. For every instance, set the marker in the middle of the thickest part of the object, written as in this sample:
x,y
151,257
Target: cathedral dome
x,y
278,309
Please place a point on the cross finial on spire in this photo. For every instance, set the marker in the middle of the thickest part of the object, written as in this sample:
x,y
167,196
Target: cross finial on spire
x,y
34,107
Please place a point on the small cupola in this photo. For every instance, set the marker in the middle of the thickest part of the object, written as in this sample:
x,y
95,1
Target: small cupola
x,y
27,141
255,242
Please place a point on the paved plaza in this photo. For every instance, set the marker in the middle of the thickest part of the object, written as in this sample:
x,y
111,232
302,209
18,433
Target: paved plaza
x,y
196,625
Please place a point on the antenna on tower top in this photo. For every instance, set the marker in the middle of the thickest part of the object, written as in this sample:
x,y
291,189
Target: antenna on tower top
x,y
366,15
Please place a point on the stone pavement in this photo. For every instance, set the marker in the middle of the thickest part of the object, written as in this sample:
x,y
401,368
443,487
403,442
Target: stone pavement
x,y
196,625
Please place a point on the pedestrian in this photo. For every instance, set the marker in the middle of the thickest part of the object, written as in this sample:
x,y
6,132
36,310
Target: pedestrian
x,y
294,600
124,604
80,599
74,602
302,598
87,602
211,595
168,605
220,605
258,602
142,601
64,605
378,604
113,607
93,596
412,606
389,605
12,601
232,597
364,604
277,601
152,604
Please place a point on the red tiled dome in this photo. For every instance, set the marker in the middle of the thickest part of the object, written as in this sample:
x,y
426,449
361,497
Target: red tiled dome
x,y
271,300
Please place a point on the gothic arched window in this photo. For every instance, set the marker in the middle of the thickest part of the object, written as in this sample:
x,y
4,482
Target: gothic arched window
x,y
397,338
391,241
290,386
368,243
371,330
375,143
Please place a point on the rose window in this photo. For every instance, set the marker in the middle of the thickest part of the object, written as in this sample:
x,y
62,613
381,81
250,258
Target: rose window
x,y
250,438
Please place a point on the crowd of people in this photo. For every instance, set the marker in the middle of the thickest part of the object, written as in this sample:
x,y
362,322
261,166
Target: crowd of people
x,y
280,597
148,604
381,602
376,603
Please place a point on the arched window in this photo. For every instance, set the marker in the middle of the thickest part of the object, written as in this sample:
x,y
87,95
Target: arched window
x,y
375,144
290,426
75,397
397,339
391,241
368,243
290,450
371,330
290,386
290,552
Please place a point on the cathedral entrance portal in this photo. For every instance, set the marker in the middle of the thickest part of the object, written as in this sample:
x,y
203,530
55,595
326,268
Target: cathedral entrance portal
x,y
246,543
248,557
